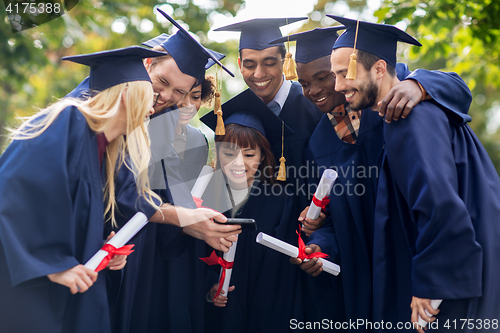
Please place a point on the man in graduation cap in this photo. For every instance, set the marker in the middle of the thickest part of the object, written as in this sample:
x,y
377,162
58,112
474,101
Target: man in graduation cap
x,y
183,296
435,229
261,65
269,291
140,307
342,142
173,75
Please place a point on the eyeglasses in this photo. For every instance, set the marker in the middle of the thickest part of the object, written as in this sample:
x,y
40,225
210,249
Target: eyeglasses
x,y
156,97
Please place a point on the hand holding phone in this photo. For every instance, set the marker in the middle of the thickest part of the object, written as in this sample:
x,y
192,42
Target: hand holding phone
x,y
246,224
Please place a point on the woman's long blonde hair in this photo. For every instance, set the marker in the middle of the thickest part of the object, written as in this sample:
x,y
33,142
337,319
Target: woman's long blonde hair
x,y
98,111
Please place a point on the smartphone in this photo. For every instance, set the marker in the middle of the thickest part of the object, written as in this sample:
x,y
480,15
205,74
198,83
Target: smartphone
x,y
246,224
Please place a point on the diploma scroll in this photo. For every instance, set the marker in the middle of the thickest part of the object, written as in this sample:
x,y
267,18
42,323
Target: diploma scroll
x,y
324,187
435,303
202,181
229,257
125,234
293,251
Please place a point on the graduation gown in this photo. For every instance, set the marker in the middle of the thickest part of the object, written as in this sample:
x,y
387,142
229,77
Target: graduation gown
x,y
348,234
179,282
436,229
195,156
302,116
138,306
51,219
268,292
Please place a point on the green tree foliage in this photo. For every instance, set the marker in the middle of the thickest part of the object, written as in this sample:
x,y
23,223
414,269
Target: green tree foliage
x,y
463,37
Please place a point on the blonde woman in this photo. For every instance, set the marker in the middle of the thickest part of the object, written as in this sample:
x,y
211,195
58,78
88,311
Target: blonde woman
x,y
56,186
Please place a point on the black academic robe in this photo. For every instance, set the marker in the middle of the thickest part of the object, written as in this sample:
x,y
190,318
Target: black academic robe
x,y
302,116
268,289
51,219
140,306
436,229
179,292
348,233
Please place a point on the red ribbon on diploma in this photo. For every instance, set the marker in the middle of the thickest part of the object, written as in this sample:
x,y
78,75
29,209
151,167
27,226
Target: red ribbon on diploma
x,y
302,250
214,259
197,201
112,251
321,203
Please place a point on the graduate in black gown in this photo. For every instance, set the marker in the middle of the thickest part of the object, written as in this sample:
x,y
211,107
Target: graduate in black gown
x,y
53,204
135,293
435,225
268,293
346,234
178,301
261,64
145,303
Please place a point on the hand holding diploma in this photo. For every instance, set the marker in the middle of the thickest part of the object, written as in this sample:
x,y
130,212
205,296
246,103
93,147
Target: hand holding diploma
x,y
320,199
226,264
116,244
423,311
312,267
308,225
78,279
296,252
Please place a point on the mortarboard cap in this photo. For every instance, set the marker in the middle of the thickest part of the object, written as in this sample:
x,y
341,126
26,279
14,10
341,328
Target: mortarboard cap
x,y
257,33
312,44
248,110
190,56
378,39
159,40
109,68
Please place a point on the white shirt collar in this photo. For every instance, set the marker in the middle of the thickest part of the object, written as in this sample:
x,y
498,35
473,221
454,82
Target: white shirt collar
x,y
283,92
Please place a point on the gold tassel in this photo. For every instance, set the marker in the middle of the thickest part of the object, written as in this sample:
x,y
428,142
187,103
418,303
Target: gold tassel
x,y
213,158
351,70
282,169
289,67
220,129
217,103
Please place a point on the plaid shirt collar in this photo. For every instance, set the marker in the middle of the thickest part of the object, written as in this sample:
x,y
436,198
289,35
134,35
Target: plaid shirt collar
x,y
346,122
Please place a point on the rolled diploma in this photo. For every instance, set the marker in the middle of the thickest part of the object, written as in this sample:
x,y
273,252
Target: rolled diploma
x,y
202,182
293,251
129,230
324,187
229,257
435,303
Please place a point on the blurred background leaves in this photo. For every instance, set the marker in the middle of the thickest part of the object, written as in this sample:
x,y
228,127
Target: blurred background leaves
x,y
460,36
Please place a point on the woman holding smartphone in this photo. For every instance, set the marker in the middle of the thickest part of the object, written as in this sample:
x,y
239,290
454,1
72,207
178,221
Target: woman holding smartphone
x,y
244,186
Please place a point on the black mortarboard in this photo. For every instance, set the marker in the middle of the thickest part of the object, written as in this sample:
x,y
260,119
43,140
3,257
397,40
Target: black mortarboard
x,y
159,40
257,33
378,39
248,110
109,68
312,44
190,56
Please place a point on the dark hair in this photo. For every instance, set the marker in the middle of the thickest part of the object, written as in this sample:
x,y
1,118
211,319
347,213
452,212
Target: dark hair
x,y
208,89
369,59
281,50
244,136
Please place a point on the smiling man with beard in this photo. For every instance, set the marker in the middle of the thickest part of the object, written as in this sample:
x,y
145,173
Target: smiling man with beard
x,y
435,232
347,138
